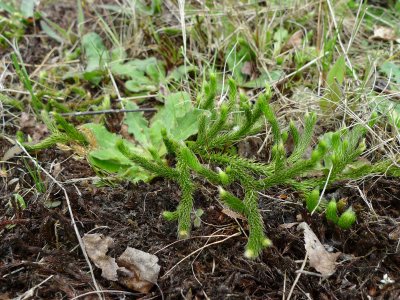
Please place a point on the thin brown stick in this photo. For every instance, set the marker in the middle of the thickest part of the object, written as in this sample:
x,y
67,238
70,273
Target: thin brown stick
x,y
106,111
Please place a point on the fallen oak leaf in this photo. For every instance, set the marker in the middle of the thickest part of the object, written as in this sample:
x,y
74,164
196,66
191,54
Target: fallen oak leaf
x,y
320,259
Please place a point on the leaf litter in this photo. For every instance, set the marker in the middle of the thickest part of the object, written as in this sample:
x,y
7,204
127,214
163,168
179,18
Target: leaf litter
x,y
320,259
135,269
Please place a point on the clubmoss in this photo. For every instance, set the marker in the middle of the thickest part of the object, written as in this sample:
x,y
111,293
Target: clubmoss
x,y
210,158
220,127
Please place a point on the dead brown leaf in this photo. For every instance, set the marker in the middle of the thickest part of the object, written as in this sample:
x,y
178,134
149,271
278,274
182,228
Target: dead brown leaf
x,y
5,296
382,33
320,259
138,270
27,121
29,125
3,173
135,269
97,246
247,68
288,225
40,130
12,152
125,133
294,41
394,235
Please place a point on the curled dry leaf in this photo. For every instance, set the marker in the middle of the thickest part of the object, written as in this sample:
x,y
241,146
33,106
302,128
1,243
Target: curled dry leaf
x,y
139,270
382,33
320,259
394,235
135,269
30,126
294,41
12,152
247,68
97,246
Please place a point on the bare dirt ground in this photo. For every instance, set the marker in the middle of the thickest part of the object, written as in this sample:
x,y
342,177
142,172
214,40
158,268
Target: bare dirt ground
x,y
43,242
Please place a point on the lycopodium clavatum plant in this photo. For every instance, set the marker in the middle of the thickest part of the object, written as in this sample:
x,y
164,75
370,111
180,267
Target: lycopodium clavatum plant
x,y
209,156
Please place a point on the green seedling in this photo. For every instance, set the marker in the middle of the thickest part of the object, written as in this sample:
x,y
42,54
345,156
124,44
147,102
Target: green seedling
x,y
20,201
35,175
197,215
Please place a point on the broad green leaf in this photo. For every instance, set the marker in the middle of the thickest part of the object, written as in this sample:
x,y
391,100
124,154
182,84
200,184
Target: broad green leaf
x,y
337,72
93,76
95,51
56,31
334,81
8,8
140,7
280,36
389,109
155,7
118,55
27,8
50,32
391,70
140,84
156,72
177,116
144,75
106,157
125,69
137,125
236,56
180,72
96,55
263,79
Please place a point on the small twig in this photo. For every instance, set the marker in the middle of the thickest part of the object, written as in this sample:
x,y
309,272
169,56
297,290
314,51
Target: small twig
x,y
4,223
198,250
30,293
309,273
323,191
107,291
298,276
310,63
107,111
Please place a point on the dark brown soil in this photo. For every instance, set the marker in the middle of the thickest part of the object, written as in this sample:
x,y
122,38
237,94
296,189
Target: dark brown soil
x,y
43,242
